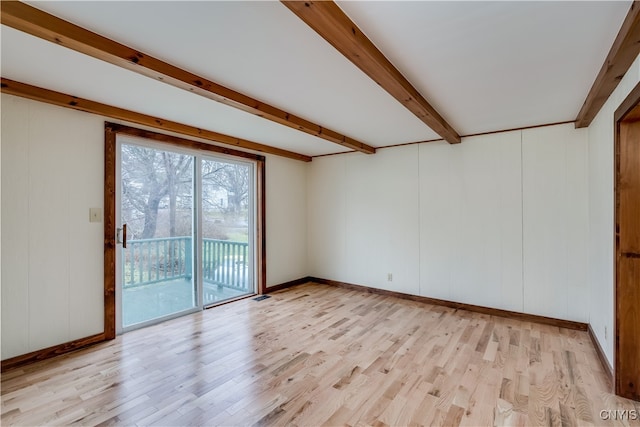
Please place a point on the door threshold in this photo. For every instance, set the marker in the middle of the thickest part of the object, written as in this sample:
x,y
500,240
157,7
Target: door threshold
x,y
227,301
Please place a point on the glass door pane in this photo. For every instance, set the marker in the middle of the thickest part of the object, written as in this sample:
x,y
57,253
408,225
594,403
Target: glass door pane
x,y
227,212
156,204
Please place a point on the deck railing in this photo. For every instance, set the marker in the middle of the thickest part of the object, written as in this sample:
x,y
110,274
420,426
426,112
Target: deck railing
x,y
224,263
148,261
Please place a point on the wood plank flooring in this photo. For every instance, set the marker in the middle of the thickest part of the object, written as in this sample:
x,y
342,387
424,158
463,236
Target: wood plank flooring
x,y
322,355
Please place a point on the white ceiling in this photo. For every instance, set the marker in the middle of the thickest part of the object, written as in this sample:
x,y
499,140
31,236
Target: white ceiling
x,y
495,65
54,67
484,66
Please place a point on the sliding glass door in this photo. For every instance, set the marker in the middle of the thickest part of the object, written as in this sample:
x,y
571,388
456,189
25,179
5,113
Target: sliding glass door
x,y
185,224
226,229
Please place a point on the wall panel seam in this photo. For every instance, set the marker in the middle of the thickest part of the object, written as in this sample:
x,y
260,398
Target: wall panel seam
x,y
419,225
29,231
522,284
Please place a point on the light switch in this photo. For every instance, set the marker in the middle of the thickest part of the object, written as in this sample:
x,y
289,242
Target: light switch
x,y
95,215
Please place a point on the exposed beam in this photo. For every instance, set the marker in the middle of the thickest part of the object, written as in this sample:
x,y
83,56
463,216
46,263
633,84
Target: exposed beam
x,y
63,100
41,24
330,22
624,51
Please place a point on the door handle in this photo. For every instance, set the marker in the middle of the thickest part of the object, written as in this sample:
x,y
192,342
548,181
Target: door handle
x,y
630,254
122,241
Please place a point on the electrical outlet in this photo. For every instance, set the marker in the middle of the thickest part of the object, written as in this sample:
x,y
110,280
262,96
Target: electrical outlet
x,y
389,277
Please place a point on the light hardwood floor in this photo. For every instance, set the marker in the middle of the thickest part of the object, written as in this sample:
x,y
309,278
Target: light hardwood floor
x,y
321,355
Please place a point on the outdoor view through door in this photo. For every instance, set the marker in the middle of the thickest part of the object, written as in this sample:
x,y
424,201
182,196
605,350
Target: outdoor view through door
x,y
187,224
225,230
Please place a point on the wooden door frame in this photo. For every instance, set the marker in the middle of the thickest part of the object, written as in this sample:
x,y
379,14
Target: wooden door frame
x,y
630,102
110,147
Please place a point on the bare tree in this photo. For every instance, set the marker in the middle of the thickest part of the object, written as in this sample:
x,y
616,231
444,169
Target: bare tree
x,y
156,181
149,177
176,169
233,178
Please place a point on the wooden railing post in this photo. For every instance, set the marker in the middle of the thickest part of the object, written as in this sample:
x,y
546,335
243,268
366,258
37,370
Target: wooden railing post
x,y
188,254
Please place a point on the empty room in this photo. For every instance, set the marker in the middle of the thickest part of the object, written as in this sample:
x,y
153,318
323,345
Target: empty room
x,y
320,213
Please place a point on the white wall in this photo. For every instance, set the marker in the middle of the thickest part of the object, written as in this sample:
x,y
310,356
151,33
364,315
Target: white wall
x,y
555,222
52,274
601,221
381,218
286,205
52,264
471,216
326,217
363,219
499,220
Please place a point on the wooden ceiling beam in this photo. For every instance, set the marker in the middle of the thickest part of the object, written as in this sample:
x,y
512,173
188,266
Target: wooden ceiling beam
x,y
330,22
43,25
24,90
624,51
